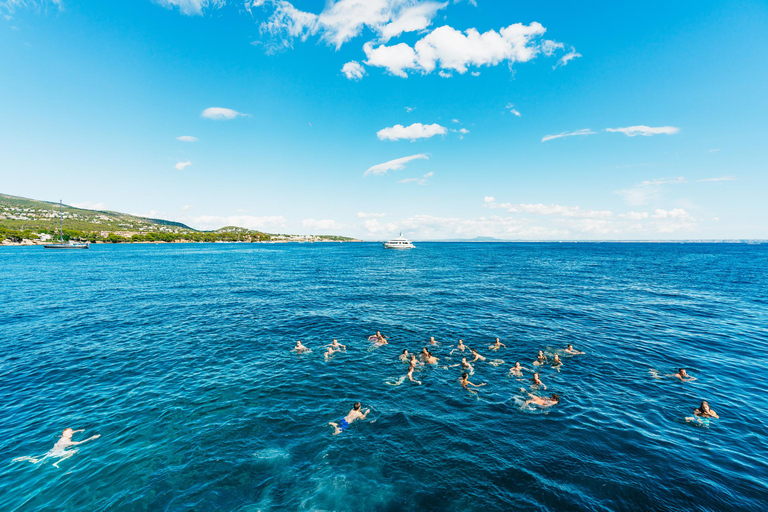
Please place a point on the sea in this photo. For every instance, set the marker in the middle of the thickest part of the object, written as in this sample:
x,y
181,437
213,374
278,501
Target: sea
x,y
179,357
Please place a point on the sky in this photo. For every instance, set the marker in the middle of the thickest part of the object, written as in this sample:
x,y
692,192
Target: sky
x,y
367,118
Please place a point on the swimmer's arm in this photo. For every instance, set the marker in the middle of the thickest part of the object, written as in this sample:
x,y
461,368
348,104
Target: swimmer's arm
x,y
86,440
713,414
690,378
476,385
362,416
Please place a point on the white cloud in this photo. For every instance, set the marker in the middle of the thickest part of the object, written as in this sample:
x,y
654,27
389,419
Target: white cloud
x,y
10,6
363,215
432,227
453,50
187,207
634,215
218,113
474,73
187,138
412,132
191,7
181,165
713,150
353,70
409,109
455,121
677,213
663,181
585,131
89,205
419,181
724,178
548,209
514,111
394,165
549,48
489,199
566,58
444,74
268,223
342,20
647,131
321,225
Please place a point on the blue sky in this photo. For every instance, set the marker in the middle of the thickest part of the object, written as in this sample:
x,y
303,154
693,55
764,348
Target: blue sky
x,y
456,119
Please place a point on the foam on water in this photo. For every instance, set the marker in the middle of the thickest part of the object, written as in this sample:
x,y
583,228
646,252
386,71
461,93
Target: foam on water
x,y
180,357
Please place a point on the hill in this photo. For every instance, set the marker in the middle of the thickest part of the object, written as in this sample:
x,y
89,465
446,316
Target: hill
x,y
30,219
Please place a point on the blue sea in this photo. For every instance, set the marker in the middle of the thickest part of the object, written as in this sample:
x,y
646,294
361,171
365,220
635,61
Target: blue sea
x,y
179,357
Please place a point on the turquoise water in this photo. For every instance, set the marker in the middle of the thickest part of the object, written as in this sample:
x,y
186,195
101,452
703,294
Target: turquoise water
x,y
179,356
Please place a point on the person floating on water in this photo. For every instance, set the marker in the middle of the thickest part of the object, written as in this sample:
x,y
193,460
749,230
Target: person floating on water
x,y
430,359
537,381
465,365
464,381
378,338
336,346
424,354
571,350
497,345
329,353
299,348
703,413
459,346
413,361
477,356
59,449
681,374
557,362
346,421
540,359
405,355
517,370
410,374
542,401
432,341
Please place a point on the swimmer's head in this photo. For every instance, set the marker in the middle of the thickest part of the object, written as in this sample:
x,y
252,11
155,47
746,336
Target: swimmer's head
x,y
497,340
405,351
517,364
464,376
682,372
474,351
356,406
570,347
555,398
461,341
704,407
68,432
463,359
541,353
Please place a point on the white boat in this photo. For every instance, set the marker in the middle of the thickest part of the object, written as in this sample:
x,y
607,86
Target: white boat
x,y
399,243
61,244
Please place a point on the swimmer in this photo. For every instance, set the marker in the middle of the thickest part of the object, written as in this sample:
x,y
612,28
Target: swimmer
x,y
460,346
465,365
477,356
405,355
703,413
571,350
682,375
414,362
517,369
430,359
464,381
432,341
299,348
424,354
410,374
537,381
382,340
497,345
353,415
329,353
60,448
556,361
337,346
542,401
540,359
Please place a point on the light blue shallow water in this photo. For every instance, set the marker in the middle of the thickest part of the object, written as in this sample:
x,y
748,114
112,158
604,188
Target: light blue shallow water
x,y
179,356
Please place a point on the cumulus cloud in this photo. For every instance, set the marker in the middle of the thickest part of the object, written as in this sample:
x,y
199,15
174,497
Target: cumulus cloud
x,y
634,215
585,131
187,138
394,165
268,223
353,70
191,7
433,227
454,50
219,113
547,209
412,132
342,20
646,131
418,181
363,215
181,165
321,225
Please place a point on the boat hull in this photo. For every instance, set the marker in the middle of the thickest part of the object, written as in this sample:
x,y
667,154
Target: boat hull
x,y
400,247
65,246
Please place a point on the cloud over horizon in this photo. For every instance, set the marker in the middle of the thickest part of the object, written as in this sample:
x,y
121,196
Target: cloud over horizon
x,y
394,165
219,113
412,132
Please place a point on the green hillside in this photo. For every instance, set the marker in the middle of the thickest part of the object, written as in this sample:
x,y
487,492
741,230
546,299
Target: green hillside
x,y
28,219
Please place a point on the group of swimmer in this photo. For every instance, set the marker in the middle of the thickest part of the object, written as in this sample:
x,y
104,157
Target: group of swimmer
x,y
426,357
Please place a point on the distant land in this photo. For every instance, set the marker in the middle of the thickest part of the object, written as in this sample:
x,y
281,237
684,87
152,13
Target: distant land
x,y
28,221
